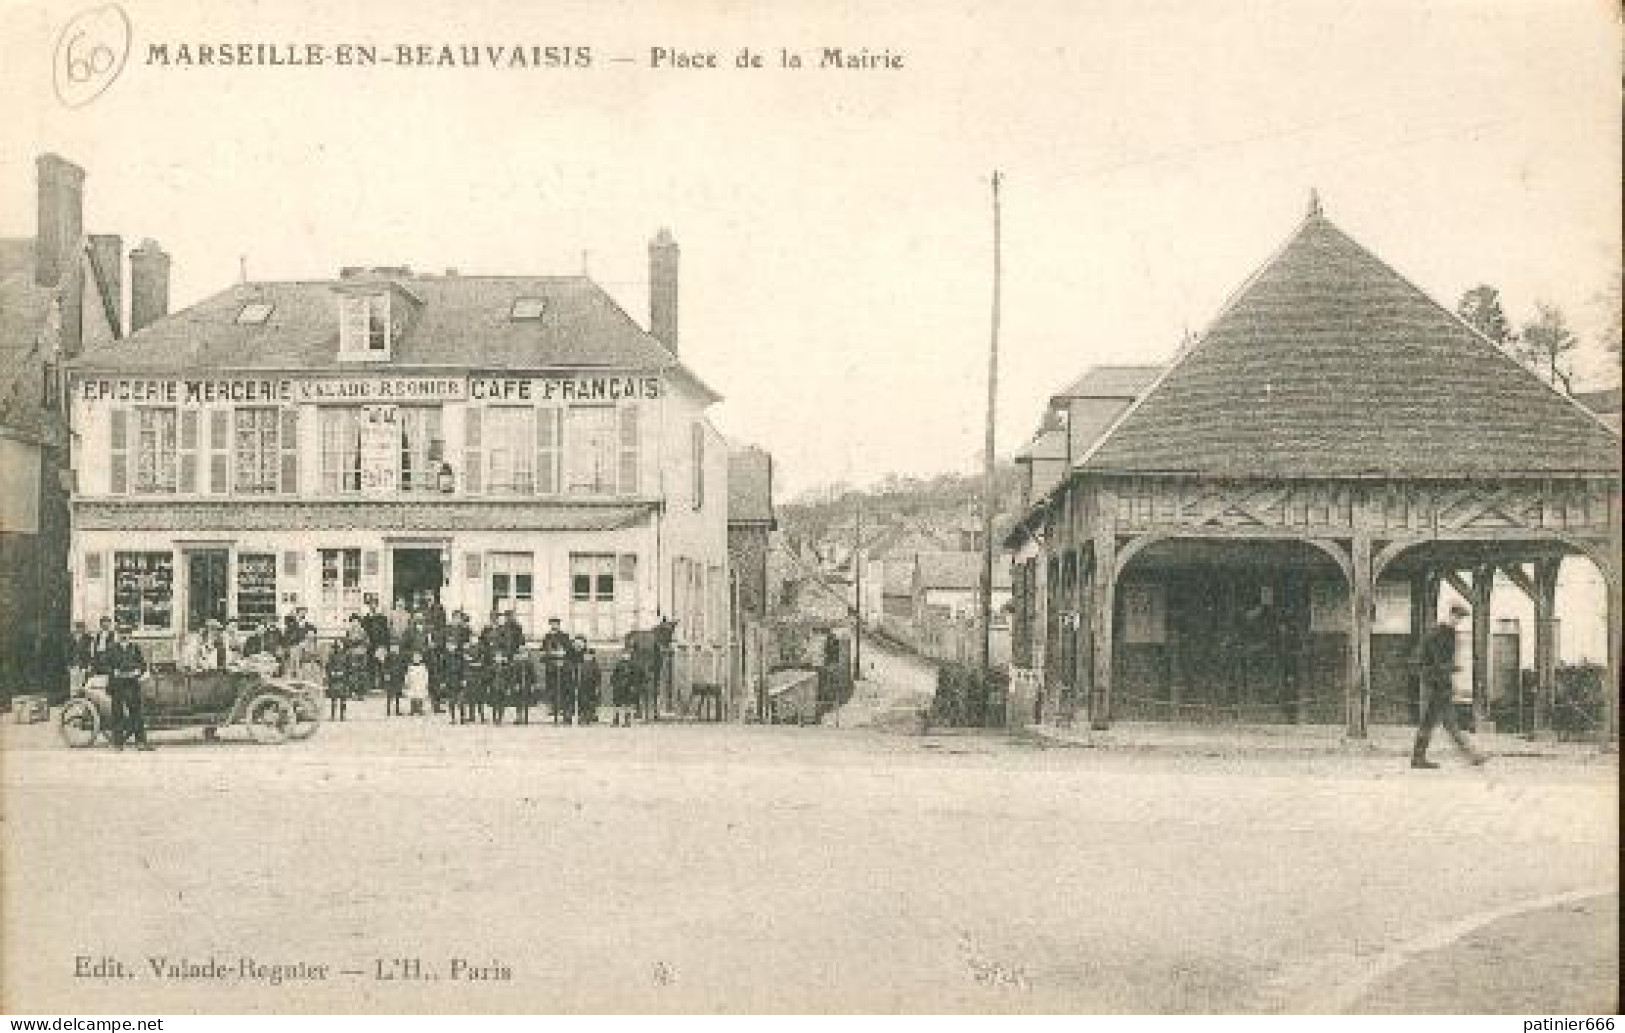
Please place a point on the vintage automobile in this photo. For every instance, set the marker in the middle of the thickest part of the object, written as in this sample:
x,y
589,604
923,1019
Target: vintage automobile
x,y
272,709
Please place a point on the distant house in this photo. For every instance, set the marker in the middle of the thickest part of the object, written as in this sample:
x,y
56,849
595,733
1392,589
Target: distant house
x,y
751,522
946,585
59,291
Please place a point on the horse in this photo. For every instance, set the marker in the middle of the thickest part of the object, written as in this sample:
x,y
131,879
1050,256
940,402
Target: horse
x,y
647,648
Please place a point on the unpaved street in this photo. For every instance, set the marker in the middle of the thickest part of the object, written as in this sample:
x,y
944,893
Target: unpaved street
x,y
771,868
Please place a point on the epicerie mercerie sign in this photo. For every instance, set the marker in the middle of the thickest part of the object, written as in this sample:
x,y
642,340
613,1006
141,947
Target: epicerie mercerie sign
x,y
368,390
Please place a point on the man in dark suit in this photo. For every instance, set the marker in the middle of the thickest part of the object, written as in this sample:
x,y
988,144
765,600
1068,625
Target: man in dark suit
x,y
101,647
80,655
557,651
375,625
1436,655
126,667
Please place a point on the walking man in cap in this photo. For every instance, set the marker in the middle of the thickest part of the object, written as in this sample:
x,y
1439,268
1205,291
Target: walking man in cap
x,y
128,667
1436,656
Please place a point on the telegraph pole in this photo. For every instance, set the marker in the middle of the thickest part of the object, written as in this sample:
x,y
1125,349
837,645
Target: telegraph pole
x,y
985,602
857,589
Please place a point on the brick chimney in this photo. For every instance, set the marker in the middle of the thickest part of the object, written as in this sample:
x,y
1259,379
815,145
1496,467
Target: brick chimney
x,y
107,258
58,239
663,254
149,284
61,218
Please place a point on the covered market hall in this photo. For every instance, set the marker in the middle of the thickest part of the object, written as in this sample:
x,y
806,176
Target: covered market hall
x,y
1262,530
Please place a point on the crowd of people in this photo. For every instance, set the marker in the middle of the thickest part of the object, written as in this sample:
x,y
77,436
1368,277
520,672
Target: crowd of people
x,y
420,659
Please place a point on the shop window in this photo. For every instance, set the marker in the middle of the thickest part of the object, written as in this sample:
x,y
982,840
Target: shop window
x,y
341,450
595,609
157,451
593,443
422,448
257,451
340,594
510,457
144,589
256,588
513,586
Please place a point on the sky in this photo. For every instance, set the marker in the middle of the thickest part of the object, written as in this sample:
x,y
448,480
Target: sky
x,y
836,224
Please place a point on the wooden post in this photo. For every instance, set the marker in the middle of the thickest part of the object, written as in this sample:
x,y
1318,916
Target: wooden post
x,y
1358,692
1483,591
1610,728
1104,609
1545,600
1422,617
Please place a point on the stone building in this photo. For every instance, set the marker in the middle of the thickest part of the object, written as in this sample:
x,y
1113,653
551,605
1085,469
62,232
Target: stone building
x,y
60,291
498,442
1260,532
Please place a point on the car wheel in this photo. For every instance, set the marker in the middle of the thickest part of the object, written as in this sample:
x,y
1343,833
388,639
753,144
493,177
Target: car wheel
x,y
80,722
270,718
307,717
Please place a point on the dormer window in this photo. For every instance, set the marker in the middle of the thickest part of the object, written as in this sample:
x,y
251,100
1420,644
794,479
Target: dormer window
x,y
526,308
364,331
255,313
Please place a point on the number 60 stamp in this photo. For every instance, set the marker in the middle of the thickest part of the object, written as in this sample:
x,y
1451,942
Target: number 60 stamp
x,y
90,54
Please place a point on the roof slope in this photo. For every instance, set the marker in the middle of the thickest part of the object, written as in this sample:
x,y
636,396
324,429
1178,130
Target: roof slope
x,y
454,321
24,309
1111,382
1328,363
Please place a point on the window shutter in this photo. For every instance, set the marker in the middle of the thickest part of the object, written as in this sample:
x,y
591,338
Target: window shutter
x,y
627,482
219,451
189,440
289,439
93,566
472,566
290,564
697,457
118,424
369,563
473,455
548,422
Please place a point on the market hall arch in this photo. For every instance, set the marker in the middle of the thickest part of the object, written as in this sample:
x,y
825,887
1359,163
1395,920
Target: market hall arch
x,y
1530,562
1228,628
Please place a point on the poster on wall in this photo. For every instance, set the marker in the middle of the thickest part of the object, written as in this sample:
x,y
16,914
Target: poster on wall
x,y
380,447
1328,608
1144,615
1393,609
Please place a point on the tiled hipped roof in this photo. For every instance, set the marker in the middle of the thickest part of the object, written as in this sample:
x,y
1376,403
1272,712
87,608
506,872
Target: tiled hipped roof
x,y
1328,363
449,321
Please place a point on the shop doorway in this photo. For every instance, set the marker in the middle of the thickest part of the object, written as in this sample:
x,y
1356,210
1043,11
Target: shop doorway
x,y
206,586
418,577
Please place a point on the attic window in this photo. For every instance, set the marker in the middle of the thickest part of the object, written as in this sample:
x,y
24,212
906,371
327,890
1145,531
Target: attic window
x,y
526,308
364,330
255,312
